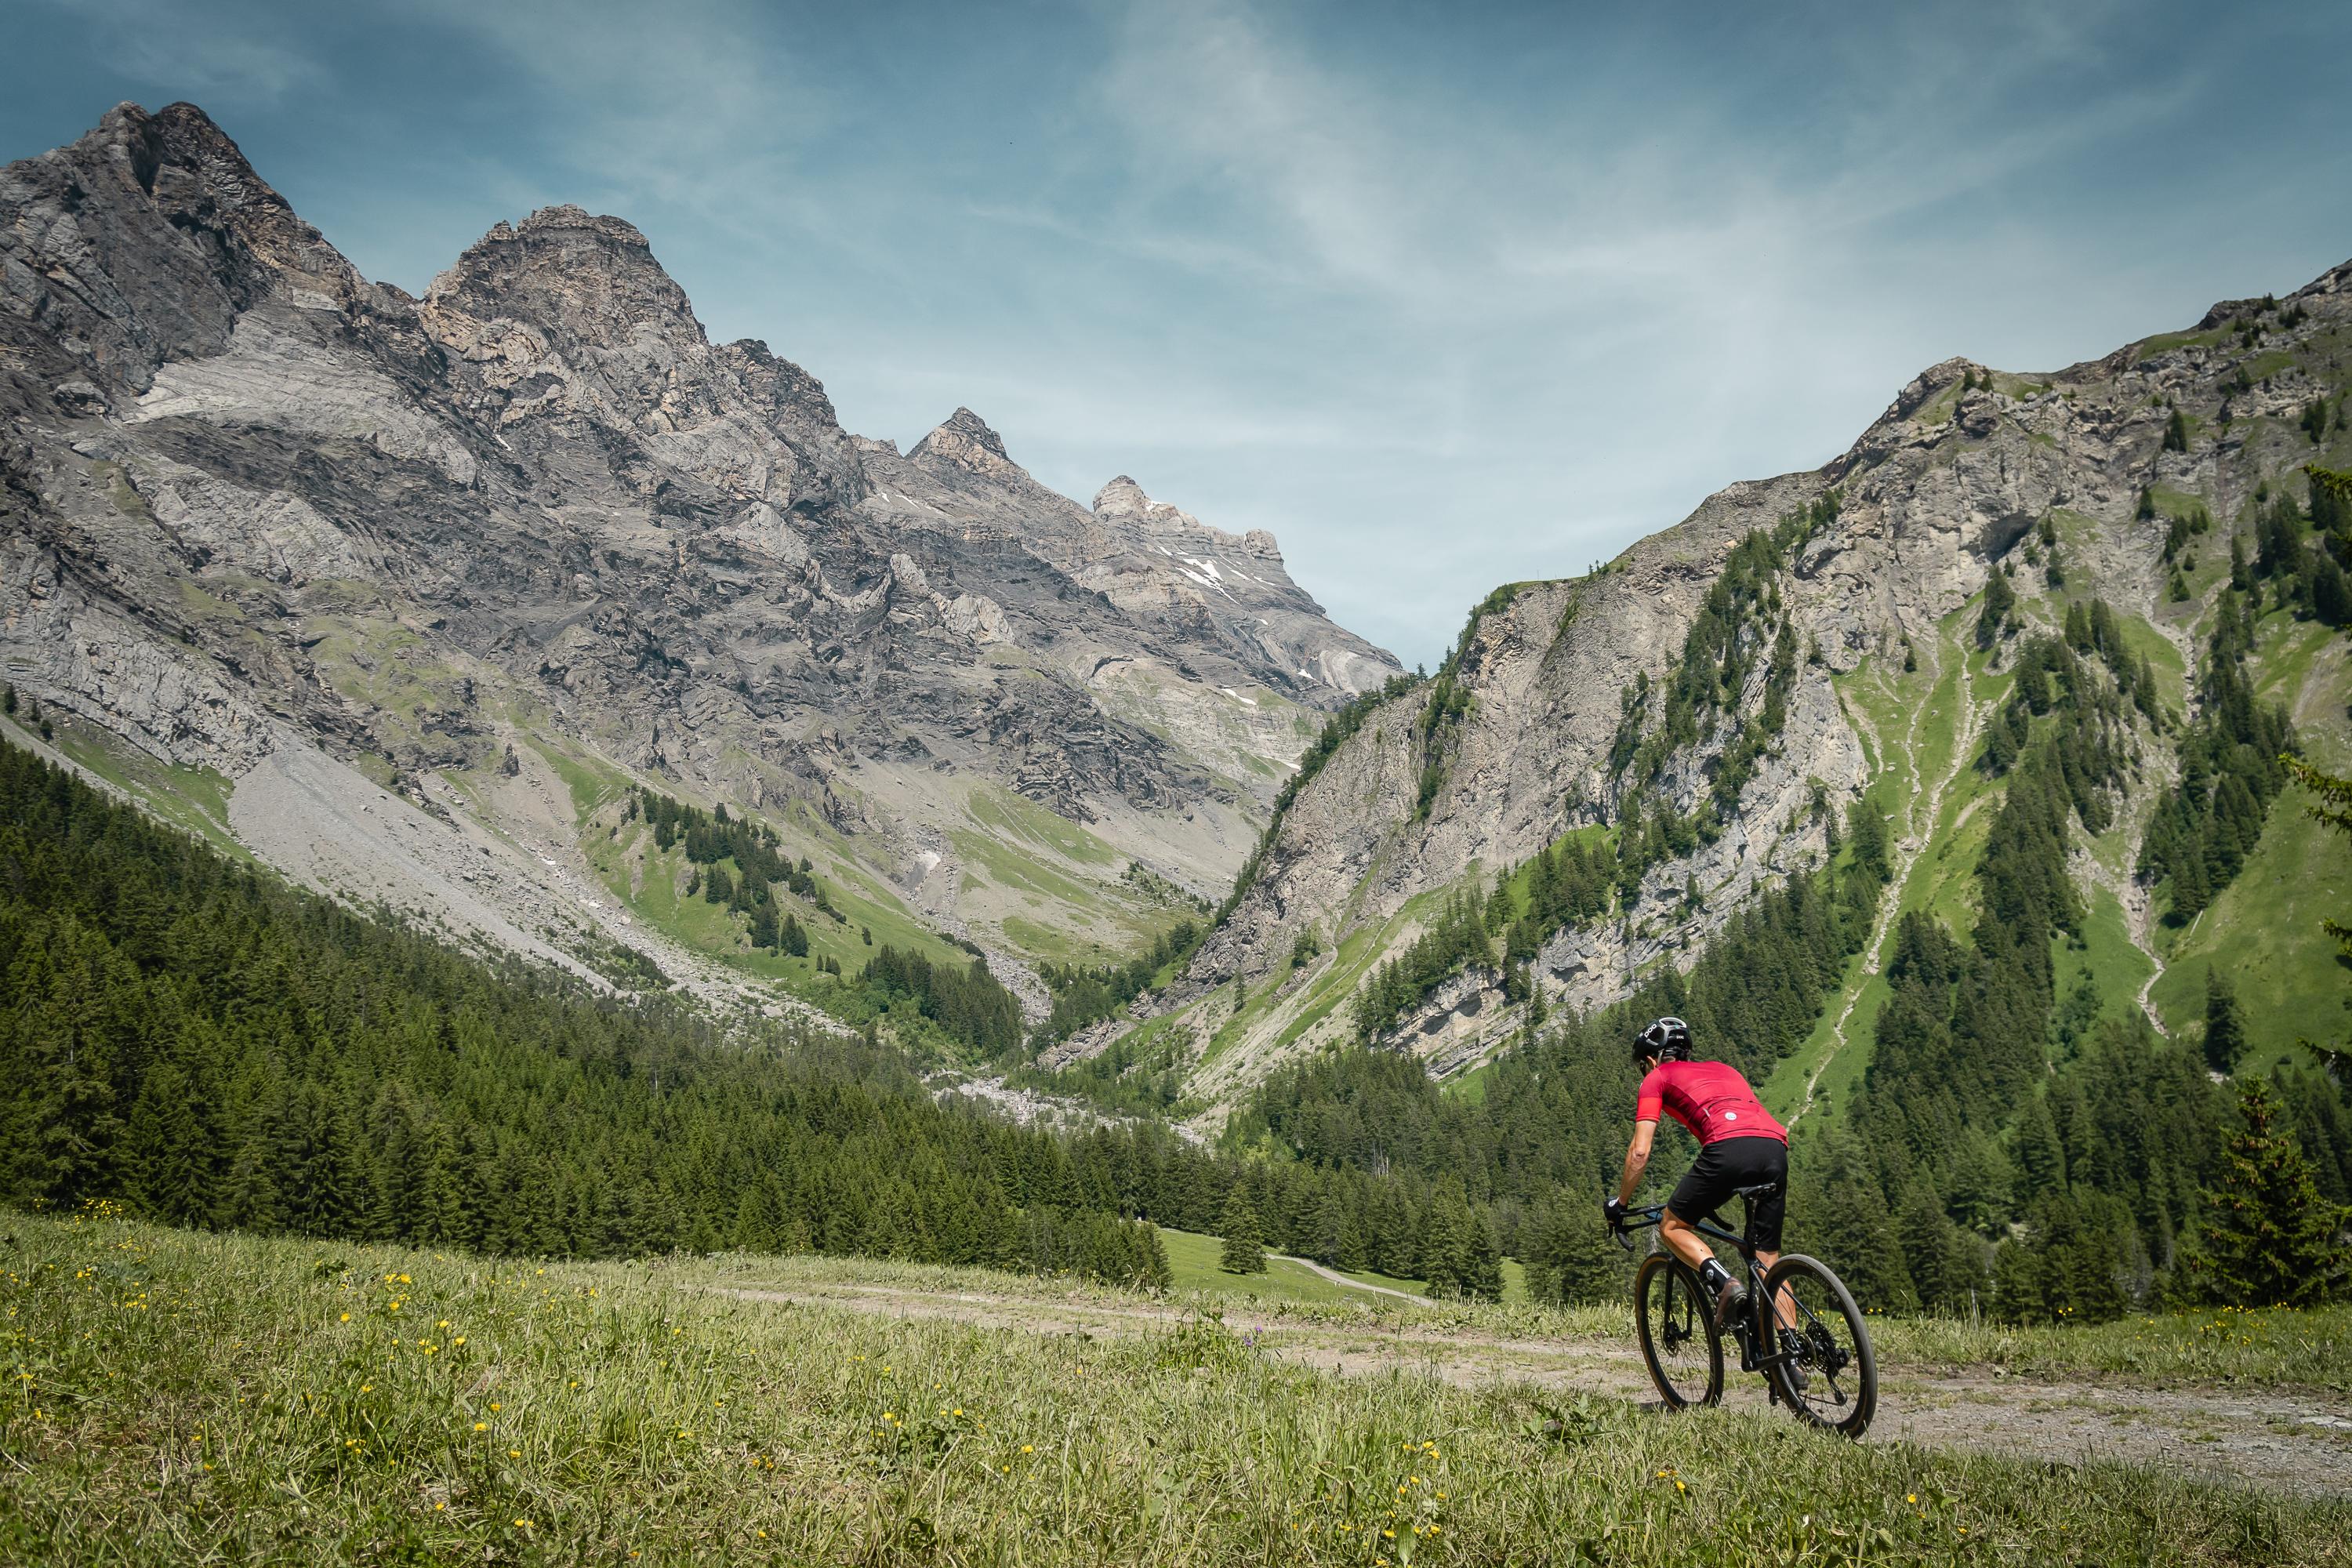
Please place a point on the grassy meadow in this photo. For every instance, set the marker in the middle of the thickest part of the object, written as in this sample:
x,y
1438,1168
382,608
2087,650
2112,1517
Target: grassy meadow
x,y
175,1396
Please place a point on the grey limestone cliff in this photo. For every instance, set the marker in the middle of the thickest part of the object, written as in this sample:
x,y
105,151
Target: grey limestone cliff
x,y
1967,473
251,501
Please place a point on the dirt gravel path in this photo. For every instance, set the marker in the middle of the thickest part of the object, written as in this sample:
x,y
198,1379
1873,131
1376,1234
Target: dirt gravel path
x,y
2283,1440
1341,1280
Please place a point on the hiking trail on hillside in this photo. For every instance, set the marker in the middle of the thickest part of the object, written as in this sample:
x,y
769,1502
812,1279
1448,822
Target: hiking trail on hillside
x,y
2288,1440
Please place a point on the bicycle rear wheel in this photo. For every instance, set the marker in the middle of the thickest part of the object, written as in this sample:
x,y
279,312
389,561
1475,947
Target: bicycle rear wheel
x,y
1839,1387
1678,1337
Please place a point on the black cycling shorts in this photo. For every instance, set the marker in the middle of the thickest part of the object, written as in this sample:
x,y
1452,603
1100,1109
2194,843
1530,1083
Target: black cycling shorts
x,y
1729,1163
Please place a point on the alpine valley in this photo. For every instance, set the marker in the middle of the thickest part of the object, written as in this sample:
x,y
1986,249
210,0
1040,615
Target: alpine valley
x,y
407,598
1945,779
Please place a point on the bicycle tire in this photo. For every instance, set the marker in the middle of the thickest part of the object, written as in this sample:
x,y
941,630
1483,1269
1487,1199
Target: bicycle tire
x,y
1843,1392
1679,1341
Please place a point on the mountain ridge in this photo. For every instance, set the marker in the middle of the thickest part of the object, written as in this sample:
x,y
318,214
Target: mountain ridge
x,y
1523,741
533,539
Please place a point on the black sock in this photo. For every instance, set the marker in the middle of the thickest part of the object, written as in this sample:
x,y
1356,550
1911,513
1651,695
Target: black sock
x,y
1714,1275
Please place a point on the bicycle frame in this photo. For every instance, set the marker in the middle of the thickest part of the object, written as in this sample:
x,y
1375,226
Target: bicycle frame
x,y
1744,1333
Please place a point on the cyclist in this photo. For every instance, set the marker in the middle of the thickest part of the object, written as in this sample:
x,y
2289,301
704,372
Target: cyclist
x,y
1739,1146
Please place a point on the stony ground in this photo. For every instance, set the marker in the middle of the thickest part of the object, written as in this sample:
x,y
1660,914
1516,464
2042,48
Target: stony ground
x,y
2296,1442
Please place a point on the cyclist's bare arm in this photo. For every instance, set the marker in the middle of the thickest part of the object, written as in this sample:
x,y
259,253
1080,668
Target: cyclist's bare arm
x,y
1684,1242
1637,1160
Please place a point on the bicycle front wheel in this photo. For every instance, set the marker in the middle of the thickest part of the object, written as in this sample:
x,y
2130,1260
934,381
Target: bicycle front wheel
x,y
1833,1381
1678,1337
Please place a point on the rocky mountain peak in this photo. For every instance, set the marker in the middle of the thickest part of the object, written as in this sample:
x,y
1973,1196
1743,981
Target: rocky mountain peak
x,y
966,442
579,277
143,241
579,527
1124,502
1124,497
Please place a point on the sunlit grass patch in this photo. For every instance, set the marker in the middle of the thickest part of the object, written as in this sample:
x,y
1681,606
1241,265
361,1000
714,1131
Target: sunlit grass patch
x,y
177,1397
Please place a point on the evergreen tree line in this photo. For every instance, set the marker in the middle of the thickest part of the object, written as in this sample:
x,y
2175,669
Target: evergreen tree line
x,y
1342,1220
2302,555
713,839
214,1048
2015,1154
1530,1158
2206,824
1086,994
218,1050
966,1001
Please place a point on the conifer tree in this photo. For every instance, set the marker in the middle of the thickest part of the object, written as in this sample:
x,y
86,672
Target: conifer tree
x,y
1849,1218
1480,1270
2225,1030
2041,1158
1153,1273
2016,1282
2000,599
1330,1230
1443,1242
1244,1248
177,1171
2270,1239
1573,1260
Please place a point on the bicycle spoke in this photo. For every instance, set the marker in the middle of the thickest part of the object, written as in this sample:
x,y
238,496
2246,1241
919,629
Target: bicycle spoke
x,y
1829,1379
1677,1335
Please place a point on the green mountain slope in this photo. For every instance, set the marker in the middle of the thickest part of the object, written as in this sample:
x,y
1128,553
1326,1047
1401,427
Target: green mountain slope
x,y
1708,712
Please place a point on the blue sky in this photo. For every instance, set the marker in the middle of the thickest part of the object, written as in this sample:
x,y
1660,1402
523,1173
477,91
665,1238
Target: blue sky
x,y
1446,295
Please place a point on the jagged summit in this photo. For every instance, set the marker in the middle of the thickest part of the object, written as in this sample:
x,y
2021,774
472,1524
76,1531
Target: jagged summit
x,y
965,441
261,515
1124,500
1124,497
965,422
143,241
579,276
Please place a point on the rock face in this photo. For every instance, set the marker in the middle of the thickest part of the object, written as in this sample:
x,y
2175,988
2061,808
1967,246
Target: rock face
x,y
1954,481
250,501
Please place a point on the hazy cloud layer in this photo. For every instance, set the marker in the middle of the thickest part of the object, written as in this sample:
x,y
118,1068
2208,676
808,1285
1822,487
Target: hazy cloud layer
x,y
1444,296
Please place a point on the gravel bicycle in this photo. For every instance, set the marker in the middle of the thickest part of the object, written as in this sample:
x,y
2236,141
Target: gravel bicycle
x,y
1800,1329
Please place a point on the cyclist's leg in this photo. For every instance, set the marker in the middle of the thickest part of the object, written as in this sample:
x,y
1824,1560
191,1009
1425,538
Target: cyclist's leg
x,y
1703,1189
1767,1217
1684,1242
1784,1305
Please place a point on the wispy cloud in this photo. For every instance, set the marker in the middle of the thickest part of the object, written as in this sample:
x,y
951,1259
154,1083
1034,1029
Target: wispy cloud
x,y
225,56
1444,297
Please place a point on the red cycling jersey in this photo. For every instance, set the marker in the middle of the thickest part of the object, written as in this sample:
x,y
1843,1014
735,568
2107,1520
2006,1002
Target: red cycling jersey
x,y
1710,1098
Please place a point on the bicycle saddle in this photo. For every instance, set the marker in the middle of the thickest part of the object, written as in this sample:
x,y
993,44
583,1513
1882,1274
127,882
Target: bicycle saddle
x,y
1758,1190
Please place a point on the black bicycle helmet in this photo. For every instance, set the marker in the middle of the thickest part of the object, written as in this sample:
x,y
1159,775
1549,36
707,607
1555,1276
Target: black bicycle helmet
x,y
1668,1039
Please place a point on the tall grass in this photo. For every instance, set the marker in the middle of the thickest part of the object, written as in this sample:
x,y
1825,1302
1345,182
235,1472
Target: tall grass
x,y
2224,1346
182,1397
